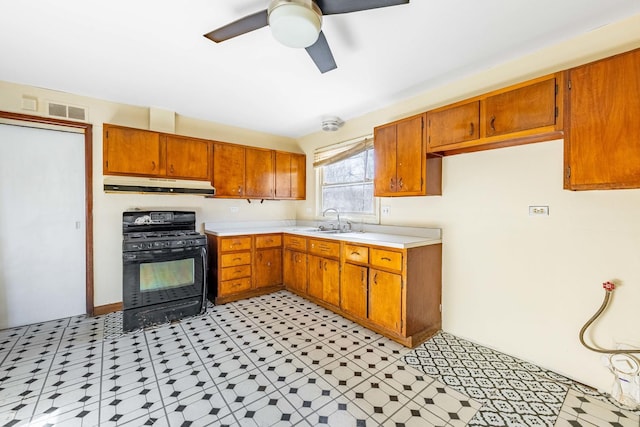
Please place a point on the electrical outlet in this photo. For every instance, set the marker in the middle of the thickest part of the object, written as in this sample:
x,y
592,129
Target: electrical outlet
x,y
386,210
538,210
234,209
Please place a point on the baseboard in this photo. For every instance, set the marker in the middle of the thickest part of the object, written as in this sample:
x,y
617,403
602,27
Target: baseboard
x,y
108,308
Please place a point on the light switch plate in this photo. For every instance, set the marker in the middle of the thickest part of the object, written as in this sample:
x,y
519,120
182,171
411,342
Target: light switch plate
x,y
538,210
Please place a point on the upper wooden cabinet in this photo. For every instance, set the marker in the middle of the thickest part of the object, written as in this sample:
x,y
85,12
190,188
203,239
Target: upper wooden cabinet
x,y
602,143
400,160
259,173
290,175
528,107
128,151
228,170
453,125
131,151
188,157
523,113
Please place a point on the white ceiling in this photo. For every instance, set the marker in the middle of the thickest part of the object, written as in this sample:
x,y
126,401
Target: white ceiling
x,y
153,53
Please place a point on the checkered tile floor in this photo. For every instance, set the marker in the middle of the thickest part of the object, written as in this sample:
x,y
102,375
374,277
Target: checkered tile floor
x,y
275,360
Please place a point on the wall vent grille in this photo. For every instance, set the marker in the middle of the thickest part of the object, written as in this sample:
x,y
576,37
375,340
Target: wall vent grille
x,y
64,111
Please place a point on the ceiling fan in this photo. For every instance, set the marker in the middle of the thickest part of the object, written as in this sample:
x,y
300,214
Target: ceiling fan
x,y
297,23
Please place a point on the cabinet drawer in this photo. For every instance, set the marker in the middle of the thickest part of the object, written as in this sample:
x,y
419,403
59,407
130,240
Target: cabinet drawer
x,y
356,253
268,241
232,286
295,242
236,272
386,259
324,248
235,243
230,260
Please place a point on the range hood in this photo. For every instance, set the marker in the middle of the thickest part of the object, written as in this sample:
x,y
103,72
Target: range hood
x,y
131,184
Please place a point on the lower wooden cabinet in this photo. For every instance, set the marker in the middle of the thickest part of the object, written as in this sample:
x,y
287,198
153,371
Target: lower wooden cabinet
x,y
243,266
354,290
295,271
324,279
385,299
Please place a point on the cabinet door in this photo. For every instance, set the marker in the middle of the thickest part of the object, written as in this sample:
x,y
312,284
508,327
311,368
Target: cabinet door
x,y
385,299
228,170
295,271
132,151
353,289
602,147
283,175
268,269
453,125
384,153
298,176
331,281
315,286
187,158
410,156
528,107
259,173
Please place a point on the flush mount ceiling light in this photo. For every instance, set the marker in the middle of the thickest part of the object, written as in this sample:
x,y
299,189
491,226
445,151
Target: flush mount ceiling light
x,y
295,23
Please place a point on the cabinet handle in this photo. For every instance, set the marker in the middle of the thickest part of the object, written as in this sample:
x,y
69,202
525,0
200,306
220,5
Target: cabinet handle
x,y
362,276
492,123
239,189
320,264
471,129
325,266
384,258
355,253
392,185
153,165
171,168
400,183
237,259
375,279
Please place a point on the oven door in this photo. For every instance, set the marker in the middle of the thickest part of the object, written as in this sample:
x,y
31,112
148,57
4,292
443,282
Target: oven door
x,y
162,276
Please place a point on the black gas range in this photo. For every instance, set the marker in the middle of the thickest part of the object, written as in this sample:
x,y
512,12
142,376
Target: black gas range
x,y
164,267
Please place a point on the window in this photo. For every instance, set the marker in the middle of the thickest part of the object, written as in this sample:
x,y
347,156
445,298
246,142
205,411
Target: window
x,y
346,178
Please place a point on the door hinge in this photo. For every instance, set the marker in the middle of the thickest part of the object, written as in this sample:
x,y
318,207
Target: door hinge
x,y
107,134
557,111
440,308
107,164
568,172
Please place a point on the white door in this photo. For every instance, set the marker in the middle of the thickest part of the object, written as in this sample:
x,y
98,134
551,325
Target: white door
x,y
42,225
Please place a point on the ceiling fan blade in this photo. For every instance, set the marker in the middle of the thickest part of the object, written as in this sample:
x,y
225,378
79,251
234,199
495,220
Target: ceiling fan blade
x,y
333,7
239,27
321,54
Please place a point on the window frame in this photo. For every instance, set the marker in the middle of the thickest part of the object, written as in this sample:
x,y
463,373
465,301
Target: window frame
x,y
372,218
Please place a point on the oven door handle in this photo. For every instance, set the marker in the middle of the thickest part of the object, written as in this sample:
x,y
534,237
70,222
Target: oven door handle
x,y
203,254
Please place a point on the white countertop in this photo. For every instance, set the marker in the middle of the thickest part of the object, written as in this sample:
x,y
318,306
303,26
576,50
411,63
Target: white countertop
x,y
390,236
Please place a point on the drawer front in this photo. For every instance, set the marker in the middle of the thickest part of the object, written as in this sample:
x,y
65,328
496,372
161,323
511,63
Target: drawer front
x,y
386,259
268,241
235,244
324,248
233,286
295,242
237,272
230,260
355,253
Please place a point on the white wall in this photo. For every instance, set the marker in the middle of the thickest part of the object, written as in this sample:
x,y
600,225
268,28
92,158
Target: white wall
x,y
524,285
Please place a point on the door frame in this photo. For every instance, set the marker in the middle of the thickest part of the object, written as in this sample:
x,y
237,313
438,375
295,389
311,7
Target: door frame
x,y
87,129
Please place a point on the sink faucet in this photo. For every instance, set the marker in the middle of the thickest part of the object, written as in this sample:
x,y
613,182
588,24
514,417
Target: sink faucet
x,y
324,213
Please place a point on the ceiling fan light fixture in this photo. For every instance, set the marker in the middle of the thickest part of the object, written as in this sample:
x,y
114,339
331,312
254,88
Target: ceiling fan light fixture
x,y
295,23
